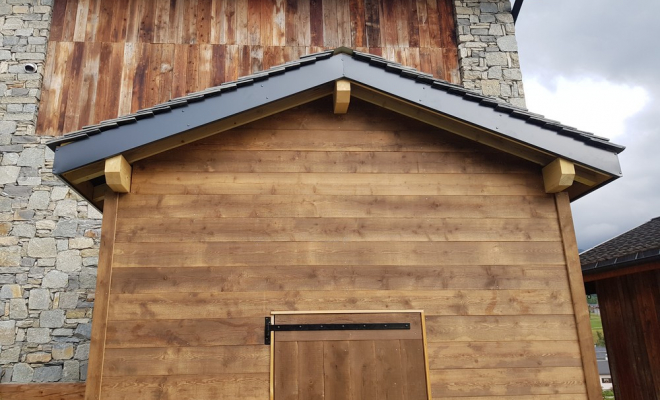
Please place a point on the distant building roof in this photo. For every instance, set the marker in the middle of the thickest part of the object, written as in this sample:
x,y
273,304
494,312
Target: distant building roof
x,y
639,244
603,367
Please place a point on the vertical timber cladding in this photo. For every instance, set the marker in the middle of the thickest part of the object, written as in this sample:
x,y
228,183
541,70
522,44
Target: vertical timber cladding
x,y
111,57
308,210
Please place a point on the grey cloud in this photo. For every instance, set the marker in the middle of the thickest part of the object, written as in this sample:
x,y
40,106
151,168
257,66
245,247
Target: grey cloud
x,y
617,41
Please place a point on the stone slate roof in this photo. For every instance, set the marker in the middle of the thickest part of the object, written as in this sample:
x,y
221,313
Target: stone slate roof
x,y
410,73
639,244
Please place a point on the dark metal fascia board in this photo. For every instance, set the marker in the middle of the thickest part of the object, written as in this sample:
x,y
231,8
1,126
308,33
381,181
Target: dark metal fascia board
x,y
473,113
192,116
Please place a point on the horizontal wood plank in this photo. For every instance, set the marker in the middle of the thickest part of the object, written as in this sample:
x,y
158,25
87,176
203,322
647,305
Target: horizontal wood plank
x,y
516,328
253,206
148,230
336,277
513,354
202,159
335,184
185,332
507,381
320,132
231,386
172,361
43,391
337,253
574,396
256,304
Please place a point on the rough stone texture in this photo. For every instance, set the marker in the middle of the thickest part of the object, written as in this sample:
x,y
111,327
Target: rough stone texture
x,y
47,374
39,299
488,52
51,319
40,271
22,373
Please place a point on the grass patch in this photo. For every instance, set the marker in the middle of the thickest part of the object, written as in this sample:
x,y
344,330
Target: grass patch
x,y
597,329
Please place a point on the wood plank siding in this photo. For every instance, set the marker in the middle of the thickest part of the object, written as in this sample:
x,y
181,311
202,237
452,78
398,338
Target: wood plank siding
x,y
307,210
630,307
111,57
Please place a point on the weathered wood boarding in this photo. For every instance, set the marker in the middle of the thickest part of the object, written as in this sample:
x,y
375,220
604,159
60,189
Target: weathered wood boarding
x,y
108,58
311,211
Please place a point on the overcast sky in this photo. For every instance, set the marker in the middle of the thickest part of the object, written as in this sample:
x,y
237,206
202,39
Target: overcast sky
x,y
595,65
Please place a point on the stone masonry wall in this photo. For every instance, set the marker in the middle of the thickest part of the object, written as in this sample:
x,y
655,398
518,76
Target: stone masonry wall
x,y
48,235
488,52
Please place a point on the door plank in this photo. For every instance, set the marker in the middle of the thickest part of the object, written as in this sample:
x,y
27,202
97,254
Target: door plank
x,y
336,370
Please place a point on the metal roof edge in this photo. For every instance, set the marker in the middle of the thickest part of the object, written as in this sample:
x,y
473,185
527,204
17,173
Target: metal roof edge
x,y
183,114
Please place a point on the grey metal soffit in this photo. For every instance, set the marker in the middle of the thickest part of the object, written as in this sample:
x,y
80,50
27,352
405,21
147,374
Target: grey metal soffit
x,y
183,114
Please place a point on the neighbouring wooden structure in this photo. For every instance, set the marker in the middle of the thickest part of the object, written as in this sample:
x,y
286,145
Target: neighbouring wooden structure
x,y
112,57
259,201
625,274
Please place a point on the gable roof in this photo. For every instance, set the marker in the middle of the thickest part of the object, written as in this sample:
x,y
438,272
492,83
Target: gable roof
x,y
377,80
640,244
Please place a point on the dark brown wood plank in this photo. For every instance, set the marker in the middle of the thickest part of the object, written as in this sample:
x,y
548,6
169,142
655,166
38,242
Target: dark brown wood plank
x,y
254,22
389,369
358,23
413,370
58,20
286,370
336,370
204,22
90,77
310,370
316,22
363,378
69,111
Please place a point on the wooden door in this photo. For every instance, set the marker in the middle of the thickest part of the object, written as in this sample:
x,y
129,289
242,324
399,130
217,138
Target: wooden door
x,y
350,364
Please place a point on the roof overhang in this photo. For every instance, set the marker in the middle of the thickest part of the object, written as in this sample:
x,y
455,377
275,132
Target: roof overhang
x,y
80,157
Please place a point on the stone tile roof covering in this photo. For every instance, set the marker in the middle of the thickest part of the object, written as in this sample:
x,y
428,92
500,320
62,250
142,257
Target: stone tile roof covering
x,y
395,68
636,245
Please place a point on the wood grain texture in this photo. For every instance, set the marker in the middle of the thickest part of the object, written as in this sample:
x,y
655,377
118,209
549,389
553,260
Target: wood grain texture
x,y
507,381
43,391
632,325
293,213
260,33
513,354
254,304
579,297
235,386
101,303
335,277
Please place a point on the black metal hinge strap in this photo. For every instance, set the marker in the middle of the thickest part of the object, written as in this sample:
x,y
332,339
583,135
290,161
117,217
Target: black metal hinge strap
x,y
330,327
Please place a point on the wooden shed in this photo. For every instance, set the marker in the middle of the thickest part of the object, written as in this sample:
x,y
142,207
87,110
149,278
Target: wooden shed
x,y
625,274
340,227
